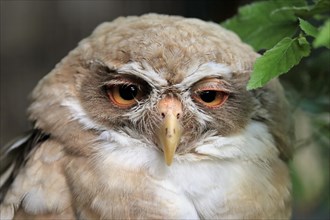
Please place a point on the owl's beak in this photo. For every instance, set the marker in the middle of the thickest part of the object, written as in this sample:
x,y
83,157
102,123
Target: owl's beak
x,y
170,130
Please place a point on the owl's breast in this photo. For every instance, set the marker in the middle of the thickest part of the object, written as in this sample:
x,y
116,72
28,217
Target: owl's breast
x,y
234,189
130,179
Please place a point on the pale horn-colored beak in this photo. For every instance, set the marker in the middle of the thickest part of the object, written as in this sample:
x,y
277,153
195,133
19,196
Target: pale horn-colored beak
x,y
170,130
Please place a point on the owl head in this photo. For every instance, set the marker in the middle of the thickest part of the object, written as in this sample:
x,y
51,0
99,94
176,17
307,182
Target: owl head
x,y
162,84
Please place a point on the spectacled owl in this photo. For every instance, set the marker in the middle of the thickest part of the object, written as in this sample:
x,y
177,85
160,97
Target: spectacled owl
x,y
149,118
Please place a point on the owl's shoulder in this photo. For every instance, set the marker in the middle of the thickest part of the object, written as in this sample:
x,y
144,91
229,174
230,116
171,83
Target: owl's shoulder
x,y
36,185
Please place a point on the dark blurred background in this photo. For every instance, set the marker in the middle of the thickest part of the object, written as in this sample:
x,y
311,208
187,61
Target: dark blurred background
x,y
36,34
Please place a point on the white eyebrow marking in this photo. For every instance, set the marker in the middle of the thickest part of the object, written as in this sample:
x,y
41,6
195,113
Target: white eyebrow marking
x,y
210,69
147,73
144,71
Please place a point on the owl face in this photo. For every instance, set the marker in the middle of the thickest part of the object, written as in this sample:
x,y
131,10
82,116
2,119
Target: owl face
x,y
169,116
170,83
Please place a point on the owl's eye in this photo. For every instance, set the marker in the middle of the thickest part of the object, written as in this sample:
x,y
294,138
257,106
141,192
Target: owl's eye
x,y
211,98
124,95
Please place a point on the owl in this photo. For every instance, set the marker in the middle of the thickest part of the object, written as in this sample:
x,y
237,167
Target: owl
x,y
149,118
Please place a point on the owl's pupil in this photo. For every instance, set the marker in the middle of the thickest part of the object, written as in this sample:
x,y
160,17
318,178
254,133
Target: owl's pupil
x,y
128,92
208,96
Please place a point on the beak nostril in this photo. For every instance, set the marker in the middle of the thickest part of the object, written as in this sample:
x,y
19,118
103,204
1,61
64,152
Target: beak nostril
x,y
169,111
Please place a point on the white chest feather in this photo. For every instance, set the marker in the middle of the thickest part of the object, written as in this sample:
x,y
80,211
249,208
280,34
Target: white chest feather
x,y
211,184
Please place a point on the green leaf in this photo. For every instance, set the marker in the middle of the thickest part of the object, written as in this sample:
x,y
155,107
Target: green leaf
x,y
278,60
321,6
307,11
308,28
323,38
259,26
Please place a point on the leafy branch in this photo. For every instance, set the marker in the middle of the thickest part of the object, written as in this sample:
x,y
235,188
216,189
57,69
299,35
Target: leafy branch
x,y
288,31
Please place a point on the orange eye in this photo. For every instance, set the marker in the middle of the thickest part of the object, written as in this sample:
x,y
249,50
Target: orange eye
x,y
211,98
124,96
